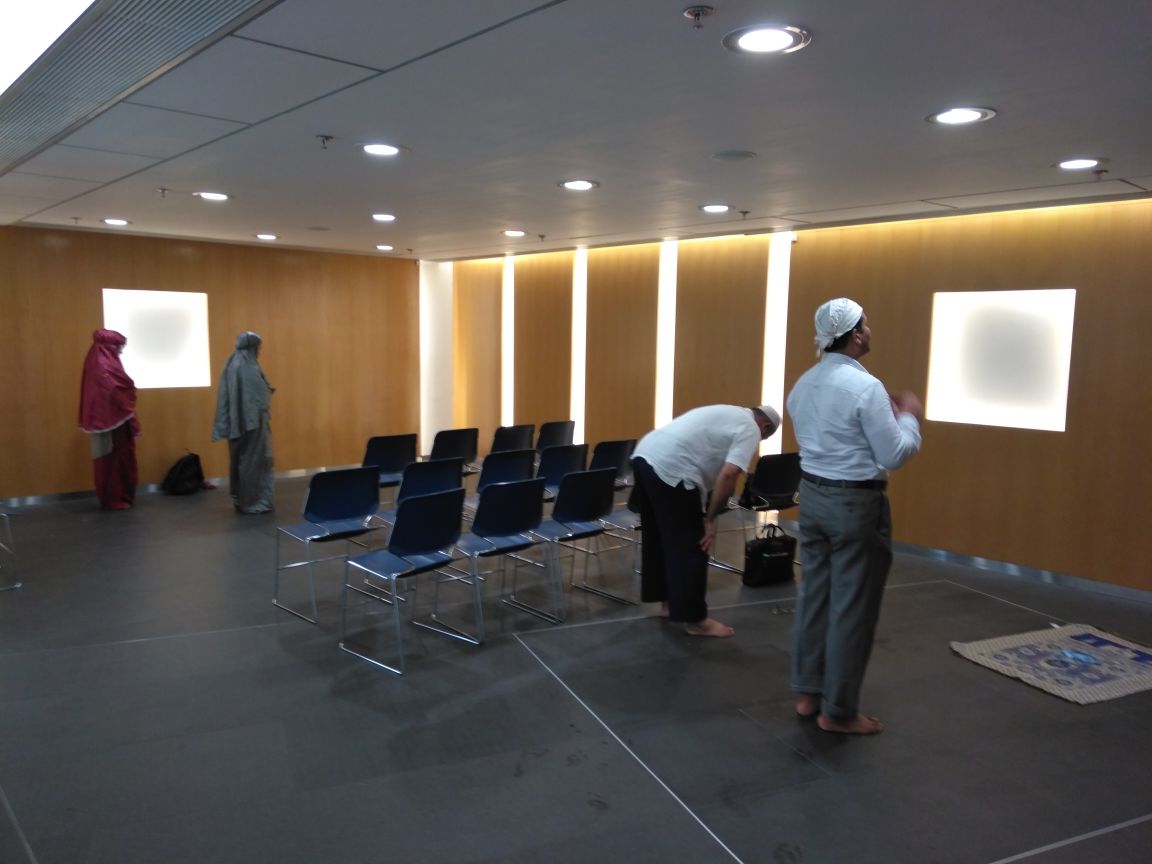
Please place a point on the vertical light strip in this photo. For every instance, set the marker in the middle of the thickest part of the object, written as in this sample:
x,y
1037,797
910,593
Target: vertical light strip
x,y
579,339
508,343
666,332
437,351
776,328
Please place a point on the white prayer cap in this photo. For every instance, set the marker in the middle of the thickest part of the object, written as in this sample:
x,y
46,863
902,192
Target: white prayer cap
x,y
834,319
771,413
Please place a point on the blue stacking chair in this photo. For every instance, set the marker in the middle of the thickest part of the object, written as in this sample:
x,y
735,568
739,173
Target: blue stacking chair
x,y
457,443
7,552
507,515
339,506
424,478
555,433
585,497
503,466
556,462
390,454
616,455
426,529
518,437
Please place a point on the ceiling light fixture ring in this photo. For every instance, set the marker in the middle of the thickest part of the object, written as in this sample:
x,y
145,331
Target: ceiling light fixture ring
x,y
767,39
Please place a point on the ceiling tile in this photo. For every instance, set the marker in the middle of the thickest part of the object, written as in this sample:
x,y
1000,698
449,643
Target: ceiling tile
x,y
144,131
1064,192
246,82
79,163
37,186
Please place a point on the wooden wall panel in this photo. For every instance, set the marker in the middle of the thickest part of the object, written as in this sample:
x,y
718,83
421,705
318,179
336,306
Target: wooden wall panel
x,y
477,334
543,337
340,345
1056,501
720,291
620,381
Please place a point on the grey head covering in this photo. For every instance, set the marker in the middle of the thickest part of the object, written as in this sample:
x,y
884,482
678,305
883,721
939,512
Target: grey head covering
x,y
244,395
834,319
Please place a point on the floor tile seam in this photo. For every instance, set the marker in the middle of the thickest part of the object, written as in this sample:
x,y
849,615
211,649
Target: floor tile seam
x,y
1079,838
11,814
778,601
1008,602
629,751
11,654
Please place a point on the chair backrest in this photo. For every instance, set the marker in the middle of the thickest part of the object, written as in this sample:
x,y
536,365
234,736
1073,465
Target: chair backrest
x,y
427,523
585,496
614,454
505,466
450,443
562,459
517,437
435,475
509,508
554,433
776,477
347,493
391,453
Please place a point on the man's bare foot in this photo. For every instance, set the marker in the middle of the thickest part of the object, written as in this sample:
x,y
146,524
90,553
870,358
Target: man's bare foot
x,y
807,704
861,724
710,627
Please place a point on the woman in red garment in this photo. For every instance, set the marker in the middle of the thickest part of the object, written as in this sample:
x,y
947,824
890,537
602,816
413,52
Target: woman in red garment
x,y
108,415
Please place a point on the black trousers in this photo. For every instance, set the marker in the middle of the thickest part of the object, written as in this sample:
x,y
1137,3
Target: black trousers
x,y
674,569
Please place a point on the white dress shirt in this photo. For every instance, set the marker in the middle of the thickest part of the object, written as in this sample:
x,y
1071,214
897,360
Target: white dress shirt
x,y
845,425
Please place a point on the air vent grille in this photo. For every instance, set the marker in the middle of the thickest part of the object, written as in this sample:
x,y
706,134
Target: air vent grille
x,y
105,58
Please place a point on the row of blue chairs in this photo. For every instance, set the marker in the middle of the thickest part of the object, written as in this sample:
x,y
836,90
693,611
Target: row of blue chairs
x,y
427,530
392,453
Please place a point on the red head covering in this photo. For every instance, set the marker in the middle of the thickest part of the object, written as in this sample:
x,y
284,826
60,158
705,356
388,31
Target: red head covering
x,y
107,394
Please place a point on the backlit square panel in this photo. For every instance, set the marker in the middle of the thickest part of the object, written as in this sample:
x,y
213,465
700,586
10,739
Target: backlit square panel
x,y
1001,358
167,334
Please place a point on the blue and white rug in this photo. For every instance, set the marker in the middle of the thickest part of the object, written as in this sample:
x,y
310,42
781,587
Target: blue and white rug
x,y
1075,662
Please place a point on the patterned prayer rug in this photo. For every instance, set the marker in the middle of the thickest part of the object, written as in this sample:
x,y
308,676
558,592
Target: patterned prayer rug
x,y
1075,662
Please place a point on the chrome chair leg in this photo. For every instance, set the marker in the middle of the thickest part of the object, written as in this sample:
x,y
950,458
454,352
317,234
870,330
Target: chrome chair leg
x,y
344,643
7,547
552,574
311,584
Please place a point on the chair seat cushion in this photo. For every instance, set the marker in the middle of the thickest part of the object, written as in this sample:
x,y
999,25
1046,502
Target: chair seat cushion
x,y
319,532
472,545
550,529
385,564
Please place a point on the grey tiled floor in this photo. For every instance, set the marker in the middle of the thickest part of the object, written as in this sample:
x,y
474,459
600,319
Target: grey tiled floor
x,y
154,707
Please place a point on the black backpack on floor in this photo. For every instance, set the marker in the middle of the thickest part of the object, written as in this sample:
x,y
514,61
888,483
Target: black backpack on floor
x,y
185,477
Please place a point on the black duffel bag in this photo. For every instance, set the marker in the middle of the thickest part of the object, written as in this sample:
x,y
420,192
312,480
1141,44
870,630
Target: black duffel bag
x,y
768,558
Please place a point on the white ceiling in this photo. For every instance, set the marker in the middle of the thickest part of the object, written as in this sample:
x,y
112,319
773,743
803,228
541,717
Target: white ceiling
x,y
497,101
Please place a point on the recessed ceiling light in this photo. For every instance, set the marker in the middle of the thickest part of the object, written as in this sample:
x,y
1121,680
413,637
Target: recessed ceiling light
x,y
383,217
381,150
734,155
579,185
265,236
1080,163
714,208
514,232
212,196
767,39
116,222
960,116
384,248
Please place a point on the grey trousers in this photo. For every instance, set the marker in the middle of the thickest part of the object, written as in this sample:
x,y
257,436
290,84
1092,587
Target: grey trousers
x,y
846,553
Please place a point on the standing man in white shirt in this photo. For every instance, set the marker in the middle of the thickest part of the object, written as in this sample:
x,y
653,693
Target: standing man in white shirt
x,y
851,432
705,450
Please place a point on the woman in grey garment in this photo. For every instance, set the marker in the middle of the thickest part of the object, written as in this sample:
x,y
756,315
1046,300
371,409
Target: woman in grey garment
x,y
242,416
